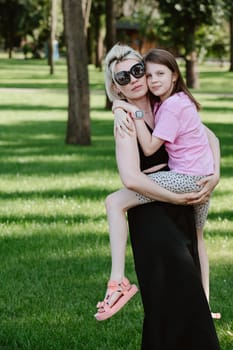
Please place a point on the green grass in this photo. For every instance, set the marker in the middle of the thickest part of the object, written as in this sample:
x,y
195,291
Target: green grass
x,y
54,249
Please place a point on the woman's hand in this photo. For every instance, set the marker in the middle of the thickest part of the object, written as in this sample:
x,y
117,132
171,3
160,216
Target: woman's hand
x,y
187,198
208,183
122,123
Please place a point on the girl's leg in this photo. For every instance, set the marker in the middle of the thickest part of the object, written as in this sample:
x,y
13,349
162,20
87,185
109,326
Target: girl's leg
x,y
119,290
117,204
204,261
201,212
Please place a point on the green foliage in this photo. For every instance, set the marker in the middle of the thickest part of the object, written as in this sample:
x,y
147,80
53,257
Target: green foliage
x,y
213,41
54,249
182,19
194,13
26,21
19,18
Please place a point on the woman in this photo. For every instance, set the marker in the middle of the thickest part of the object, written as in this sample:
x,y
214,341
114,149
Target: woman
x,y
163,235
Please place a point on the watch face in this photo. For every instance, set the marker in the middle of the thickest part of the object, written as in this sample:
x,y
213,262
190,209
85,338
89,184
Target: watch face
x,y
139,114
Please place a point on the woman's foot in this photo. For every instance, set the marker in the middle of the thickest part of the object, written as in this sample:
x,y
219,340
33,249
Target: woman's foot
x,y
117,295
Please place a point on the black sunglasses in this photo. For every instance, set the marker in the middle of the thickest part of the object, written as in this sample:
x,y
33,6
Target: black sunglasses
x,y
123,77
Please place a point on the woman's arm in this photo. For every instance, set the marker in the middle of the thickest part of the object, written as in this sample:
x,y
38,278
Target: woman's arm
x,y
209,182
215,148
134,179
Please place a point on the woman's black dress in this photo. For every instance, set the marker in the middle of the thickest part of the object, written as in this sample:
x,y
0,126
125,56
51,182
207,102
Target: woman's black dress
x,y
176,312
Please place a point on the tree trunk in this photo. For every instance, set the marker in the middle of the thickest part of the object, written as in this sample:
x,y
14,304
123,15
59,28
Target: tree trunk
x,y
231,43
110,32
78,126
10,45
86,6
99,49
52,35
191,73
191,70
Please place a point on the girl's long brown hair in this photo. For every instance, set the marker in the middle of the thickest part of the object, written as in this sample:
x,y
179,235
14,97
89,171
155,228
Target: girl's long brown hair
x,y
165,58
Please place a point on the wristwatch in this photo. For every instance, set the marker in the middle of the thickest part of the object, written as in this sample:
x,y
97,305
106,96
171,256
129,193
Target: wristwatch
x,y
139,114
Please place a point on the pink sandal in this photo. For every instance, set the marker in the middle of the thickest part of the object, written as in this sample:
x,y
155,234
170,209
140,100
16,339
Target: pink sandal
x,y
216,315
118,294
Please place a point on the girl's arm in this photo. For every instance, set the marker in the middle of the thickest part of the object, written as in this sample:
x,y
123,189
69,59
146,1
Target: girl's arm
x,y
123,124
131,176
150,144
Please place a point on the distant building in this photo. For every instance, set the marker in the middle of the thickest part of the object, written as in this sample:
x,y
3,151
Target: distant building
x,y
128,33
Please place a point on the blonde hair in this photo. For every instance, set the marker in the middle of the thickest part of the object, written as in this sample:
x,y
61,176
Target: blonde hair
x,y
117,54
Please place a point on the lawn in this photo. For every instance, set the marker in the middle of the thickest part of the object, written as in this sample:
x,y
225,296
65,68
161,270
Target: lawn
x,y
54,249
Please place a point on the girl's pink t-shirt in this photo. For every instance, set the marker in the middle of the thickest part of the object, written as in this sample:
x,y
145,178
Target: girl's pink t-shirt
x,y
178,123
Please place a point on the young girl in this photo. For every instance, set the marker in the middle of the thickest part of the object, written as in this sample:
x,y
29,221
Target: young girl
x,y
178,127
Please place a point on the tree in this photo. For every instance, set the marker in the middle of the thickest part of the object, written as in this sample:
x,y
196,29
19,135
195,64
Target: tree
x,y
52,38
86,6
228,5
17,19
96,33
231,40
182,18
110,24
110,31
78,126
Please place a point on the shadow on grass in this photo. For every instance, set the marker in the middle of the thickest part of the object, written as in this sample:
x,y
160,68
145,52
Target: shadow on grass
x,y
45,85
78,193
45,139
24,107
222,98
36,75
216,74
218,109
50,219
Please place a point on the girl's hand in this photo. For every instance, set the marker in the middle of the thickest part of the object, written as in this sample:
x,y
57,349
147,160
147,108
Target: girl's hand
x,y
122,123
127,107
